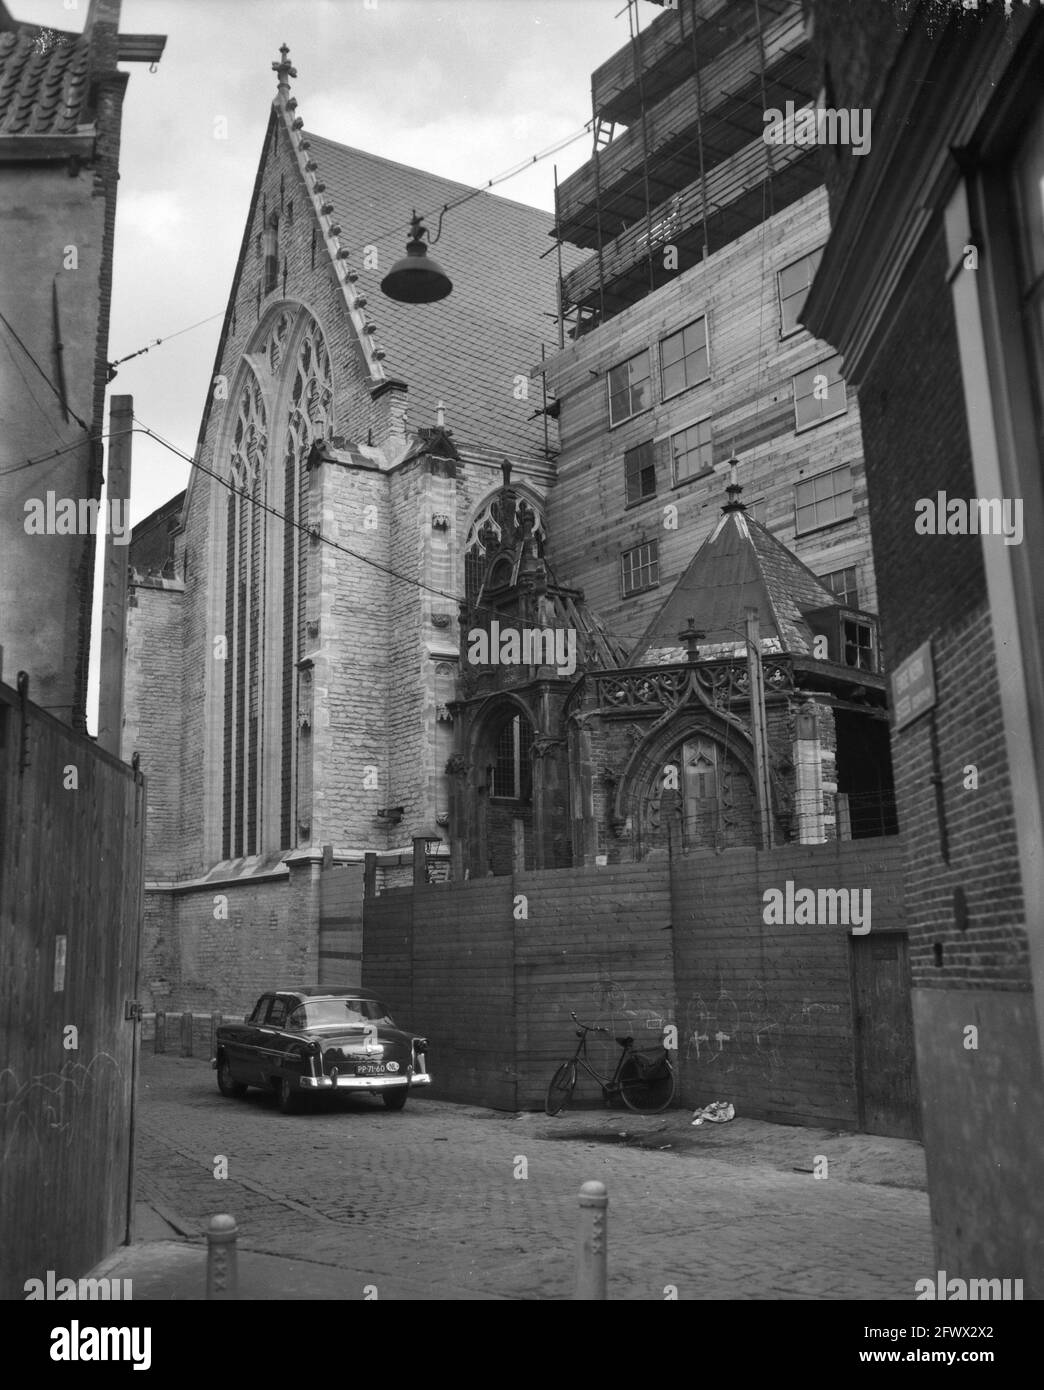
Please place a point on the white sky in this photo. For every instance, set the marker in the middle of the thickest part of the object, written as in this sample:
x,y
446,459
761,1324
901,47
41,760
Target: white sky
x,y
462,88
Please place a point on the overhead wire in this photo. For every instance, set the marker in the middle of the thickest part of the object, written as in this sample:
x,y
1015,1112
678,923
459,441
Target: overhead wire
x,y
65,404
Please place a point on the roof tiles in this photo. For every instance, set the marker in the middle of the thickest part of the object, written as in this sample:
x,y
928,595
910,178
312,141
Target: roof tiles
x,y
43,81
472,350
739,565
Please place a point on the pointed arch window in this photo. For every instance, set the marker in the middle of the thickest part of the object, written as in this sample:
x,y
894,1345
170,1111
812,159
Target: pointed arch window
x,y
271,569
309,419
700,789
501,522
270,242
512,773
244,626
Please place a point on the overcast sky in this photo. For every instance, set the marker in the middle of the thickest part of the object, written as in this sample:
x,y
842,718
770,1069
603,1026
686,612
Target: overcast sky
x,y
462,88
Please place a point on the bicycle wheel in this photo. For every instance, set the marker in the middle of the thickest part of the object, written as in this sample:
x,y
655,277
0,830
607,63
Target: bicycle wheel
x,y
560,1089
641,1094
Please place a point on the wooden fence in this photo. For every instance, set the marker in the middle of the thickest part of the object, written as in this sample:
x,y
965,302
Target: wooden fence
x,y
72,821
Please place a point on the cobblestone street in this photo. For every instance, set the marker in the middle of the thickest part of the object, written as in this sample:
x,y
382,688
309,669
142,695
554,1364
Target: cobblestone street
x,y
432,1195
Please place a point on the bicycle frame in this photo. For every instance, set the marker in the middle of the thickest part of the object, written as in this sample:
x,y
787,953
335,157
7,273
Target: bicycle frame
x,y
610,1087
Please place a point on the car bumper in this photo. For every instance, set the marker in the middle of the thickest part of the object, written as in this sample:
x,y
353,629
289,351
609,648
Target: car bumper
x,y
363,1083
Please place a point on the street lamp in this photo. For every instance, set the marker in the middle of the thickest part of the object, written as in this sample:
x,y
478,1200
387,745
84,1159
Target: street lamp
x,y
417,278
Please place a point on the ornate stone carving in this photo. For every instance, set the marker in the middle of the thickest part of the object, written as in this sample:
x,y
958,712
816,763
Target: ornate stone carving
x,y
440,521
458,765
440,620
714,684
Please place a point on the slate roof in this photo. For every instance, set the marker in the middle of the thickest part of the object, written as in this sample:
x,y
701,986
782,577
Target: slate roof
x,y
43,79
740,564
467,349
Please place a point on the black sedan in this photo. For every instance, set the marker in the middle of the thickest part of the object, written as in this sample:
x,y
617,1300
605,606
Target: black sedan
x,y
301,1042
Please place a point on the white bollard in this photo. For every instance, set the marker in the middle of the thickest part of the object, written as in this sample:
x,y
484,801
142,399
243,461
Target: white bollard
x,y
222,1280
591,1246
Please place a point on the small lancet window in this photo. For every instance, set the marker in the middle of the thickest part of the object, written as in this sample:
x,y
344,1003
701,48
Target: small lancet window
x,y
271,248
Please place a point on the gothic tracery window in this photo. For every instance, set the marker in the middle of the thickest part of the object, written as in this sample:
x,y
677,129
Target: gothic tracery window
x,y
501,522
281,410
245,564
311,401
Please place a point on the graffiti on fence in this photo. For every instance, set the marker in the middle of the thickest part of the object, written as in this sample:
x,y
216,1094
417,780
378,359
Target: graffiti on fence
x,y
745,1030
47,1106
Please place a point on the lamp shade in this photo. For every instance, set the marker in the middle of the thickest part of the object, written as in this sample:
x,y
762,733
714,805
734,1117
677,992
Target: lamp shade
x,y
416,278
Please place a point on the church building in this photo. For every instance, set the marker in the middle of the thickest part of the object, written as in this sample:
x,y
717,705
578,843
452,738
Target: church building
x,y
411,590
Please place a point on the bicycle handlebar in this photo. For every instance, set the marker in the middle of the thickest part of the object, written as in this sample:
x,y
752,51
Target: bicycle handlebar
x,y
590,1027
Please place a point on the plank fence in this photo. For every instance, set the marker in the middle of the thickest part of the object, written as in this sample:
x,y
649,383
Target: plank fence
x,y
72,821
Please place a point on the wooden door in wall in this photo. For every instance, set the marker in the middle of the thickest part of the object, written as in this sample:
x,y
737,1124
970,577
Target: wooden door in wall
x,y
886,1076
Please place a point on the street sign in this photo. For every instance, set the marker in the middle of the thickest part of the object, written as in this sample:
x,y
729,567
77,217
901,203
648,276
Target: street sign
x,y
913,686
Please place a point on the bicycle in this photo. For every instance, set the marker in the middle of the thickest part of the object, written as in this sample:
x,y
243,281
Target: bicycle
x,y
645,1083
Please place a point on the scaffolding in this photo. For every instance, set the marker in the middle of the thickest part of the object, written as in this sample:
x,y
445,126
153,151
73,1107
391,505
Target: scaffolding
x,y
686,94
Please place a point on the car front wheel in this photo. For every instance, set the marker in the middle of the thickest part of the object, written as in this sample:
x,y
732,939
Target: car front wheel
x,y
226,1084
395,1100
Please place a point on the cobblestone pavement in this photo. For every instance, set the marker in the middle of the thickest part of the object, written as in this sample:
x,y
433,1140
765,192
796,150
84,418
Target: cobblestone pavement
x,y
431,1194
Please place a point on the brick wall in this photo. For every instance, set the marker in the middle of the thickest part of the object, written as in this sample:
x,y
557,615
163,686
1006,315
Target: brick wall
x,y
195,957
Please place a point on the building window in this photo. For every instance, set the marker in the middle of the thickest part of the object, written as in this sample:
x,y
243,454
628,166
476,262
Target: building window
x,y
692,452
511,774
793,283
842,584
640,568
684,359
629,388
758,510
822,500
859,644
640,473
819,393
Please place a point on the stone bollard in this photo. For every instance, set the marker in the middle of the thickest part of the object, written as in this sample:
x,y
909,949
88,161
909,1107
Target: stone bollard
x,y
160,1041
186,1035
222,1277
591,1245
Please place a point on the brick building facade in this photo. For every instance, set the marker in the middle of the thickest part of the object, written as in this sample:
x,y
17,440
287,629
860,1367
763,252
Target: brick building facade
x,y
61,98
931,289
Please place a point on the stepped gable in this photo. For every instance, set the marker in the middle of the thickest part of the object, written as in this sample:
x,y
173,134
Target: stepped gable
x,y
739,565
43,78
464,351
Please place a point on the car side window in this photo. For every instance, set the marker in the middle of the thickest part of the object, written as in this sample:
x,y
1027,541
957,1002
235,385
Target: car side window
x,y
277,1013
260,1009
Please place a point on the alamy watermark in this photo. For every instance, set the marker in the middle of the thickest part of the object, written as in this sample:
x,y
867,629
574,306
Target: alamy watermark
x,y
817,125
84,516
51,1287
812,907
76,1343
956,1290
971,516
530,646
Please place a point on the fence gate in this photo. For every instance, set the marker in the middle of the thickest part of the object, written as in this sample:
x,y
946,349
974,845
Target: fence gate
x,y
884,1043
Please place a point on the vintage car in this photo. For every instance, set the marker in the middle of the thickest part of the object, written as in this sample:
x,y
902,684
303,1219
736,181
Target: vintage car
x,y
302,1042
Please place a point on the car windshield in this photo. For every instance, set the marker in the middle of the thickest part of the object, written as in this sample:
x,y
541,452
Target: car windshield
x,y
339,1012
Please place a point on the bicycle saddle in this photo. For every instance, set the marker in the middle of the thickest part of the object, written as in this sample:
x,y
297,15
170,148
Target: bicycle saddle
x,y
625,1042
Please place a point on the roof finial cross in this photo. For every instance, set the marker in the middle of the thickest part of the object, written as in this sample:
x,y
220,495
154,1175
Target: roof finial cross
x,y
286,70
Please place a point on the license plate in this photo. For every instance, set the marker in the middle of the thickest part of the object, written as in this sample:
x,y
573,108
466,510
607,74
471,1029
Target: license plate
x,y
369,1068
